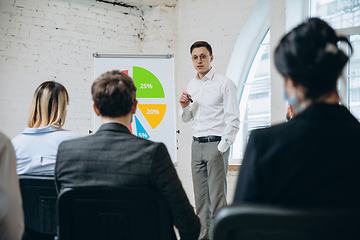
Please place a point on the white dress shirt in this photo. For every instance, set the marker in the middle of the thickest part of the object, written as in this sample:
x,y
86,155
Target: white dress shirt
x,y
11,211
36,149
215,110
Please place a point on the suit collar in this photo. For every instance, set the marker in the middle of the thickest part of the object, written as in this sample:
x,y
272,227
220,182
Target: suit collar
x,y
114,126
326,112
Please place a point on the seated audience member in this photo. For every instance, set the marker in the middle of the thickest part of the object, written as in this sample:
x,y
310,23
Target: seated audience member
x,y
11,211
37,146
113,157
312,160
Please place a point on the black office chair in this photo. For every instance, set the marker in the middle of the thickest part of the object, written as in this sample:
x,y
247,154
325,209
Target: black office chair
x,y
253,222
39,203
108,213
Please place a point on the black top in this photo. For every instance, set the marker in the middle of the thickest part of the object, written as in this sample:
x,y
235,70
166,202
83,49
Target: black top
x,y
312,160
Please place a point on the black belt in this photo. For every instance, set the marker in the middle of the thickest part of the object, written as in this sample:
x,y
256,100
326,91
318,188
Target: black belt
x,y
207,139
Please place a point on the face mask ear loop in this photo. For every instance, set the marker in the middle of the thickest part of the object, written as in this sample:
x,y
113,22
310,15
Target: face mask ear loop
x,y
293,101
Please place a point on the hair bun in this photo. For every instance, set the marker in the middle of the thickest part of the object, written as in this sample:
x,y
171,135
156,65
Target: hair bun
x,y
330,59
331,48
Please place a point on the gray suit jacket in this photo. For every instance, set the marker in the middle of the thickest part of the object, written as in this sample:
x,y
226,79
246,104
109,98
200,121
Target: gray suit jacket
x,y
113,157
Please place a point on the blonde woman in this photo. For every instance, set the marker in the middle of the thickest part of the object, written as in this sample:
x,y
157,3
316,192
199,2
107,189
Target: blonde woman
x,y
37,146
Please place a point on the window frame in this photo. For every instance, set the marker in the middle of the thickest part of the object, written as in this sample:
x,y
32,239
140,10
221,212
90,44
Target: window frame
x,y
343,83
241,86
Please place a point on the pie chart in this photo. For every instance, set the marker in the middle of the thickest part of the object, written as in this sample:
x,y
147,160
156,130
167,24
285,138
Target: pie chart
x,y
154,113
153,76
148,87
147,84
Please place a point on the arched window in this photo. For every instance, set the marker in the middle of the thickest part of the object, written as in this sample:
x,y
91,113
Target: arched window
x,y
339,14
254,100
353,77
249,68
254,103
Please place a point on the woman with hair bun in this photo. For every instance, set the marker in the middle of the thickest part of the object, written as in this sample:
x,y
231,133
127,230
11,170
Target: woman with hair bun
x,y
312,160
37,146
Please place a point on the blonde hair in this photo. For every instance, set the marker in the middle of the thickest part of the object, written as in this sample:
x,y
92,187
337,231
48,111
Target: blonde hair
x,y
48,106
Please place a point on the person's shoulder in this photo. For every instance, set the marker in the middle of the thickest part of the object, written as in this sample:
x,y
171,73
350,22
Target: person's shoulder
x,y
67,134
227,82
256,133
147,142
130,139
18,139
147,145
270,132
70,133
220,76
73,140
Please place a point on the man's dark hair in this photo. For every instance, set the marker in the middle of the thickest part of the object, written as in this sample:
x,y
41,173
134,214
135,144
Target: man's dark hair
x,y
113,93
201,44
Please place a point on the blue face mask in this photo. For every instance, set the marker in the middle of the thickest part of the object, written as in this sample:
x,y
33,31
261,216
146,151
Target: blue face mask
x,y
293,101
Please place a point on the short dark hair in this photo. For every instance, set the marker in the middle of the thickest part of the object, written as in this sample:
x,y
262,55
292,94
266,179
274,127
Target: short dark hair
x,y
309,55
201,44
113,93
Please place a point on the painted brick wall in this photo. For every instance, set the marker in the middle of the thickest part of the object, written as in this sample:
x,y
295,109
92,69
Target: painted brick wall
x,y
54,40
160,32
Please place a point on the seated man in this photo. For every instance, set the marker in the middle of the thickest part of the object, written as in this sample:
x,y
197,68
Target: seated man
x,y
113,157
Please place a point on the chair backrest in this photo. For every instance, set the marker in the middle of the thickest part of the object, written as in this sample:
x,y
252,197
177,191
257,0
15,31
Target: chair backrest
x,y
108,213
252,222
39,202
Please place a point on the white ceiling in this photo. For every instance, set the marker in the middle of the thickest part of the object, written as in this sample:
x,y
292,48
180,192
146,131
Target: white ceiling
x,y
139,3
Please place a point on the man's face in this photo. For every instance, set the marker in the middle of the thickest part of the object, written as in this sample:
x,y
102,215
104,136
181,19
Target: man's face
x,y
201,59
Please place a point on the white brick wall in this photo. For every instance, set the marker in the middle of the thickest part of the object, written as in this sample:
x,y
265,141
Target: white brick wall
x,y
160,30
54,40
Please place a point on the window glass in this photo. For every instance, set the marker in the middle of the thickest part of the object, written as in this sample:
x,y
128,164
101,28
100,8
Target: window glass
x,y
354,77
345,15
255,98
338,13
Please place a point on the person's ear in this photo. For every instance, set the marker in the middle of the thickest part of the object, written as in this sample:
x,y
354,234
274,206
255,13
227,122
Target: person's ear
x,y
289,86
211,58
134,106
290,82
96,110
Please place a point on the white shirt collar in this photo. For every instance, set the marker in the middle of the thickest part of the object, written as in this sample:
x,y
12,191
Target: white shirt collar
x,y
40,130
208,76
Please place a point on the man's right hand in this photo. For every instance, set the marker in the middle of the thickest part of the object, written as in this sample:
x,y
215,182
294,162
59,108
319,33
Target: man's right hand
x,y
183,100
